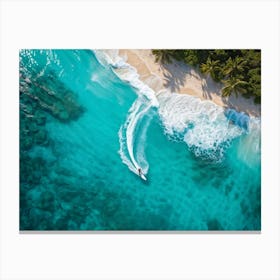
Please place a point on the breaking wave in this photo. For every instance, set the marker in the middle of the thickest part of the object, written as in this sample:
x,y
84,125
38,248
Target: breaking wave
x,y
132,134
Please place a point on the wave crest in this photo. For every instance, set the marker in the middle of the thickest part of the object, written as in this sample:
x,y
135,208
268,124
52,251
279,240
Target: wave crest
x,y
132,134
202,125
127,73
206,128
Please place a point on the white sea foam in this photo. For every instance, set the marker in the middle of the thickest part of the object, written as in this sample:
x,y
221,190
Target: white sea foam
x,y
249,150
134,130
126,72
202,125
139,115
123,151
108,57
136,113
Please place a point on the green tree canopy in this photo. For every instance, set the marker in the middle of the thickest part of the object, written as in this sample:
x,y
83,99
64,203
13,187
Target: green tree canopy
x,y
234,85
238,70
211,67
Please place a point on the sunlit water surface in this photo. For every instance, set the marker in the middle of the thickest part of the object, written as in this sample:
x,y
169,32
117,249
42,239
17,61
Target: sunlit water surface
x,y
79,157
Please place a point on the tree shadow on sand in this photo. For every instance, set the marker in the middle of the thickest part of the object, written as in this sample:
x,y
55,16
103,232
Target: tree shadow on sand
x,y
236,102
173,81
176,75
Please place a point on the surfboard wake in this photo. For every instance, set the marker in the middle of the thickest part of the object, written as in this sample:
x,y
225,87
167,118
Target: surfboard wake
x,y
132,134
132,137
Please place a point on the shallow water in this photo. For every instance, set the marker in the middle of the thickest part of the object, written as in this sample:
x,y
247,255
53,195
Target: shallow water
x,y
84,132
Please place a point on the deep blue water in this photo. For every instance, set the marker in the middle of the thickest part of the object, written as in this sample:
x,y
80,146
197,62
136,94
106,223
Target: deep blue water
x,y
84,132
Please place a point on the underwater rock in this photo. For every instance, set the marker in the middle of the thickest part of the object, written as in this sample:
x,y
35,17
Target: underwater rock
x,y
40,120
35,177
111,208
72,225
33,127
40,137
214,224
47,94
25,143
63,115
46,201
54,97
43,97
61,224
31,169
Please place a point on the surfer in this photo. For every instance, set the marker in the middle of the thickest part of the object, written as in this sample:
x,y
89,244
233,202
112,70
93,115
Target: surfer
x,y
141,175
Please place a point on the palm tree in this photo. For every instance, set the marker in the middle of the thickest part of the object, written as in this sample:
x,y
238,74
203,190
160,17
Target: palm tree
x,y
234,66
164,56
211,67
191,57
233,85
221,55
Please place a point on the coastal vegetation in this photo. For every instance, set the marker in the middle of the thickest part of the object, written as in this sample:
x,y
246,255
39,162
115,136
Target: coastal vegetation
x,y
238,70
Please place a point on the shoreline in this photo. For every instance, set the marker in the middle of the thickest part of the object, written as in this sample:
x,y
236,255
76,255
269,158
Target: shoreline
x,y
181,78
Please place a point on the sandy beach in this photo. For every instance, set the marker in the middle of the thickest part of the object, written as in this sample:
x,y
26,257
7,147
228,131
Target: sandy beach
x,y
181,78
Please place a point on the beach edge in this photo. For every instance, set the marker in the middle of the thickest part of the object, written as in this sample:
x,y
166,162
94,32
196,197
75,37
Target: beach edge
x,y
178,77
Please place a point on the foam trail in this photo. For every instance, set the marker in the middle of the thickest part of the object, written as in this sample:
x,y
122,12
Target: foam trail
x,y
134,120
205,127
134,129
123,150
130,129
140,147
139,115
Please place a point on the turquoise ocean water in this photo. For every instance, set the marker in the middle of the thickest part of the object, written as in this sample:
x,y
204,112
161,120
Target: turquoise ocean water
x,y
87,124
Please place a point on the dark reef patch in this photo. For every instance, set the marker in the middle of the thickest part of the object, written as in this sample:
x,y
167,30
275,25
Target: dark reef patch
x,y
214,224
43,97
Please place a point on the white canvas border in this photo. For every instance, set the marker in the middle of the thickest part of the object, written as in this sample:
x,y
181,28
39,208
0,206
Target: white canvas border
x,y
157,24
